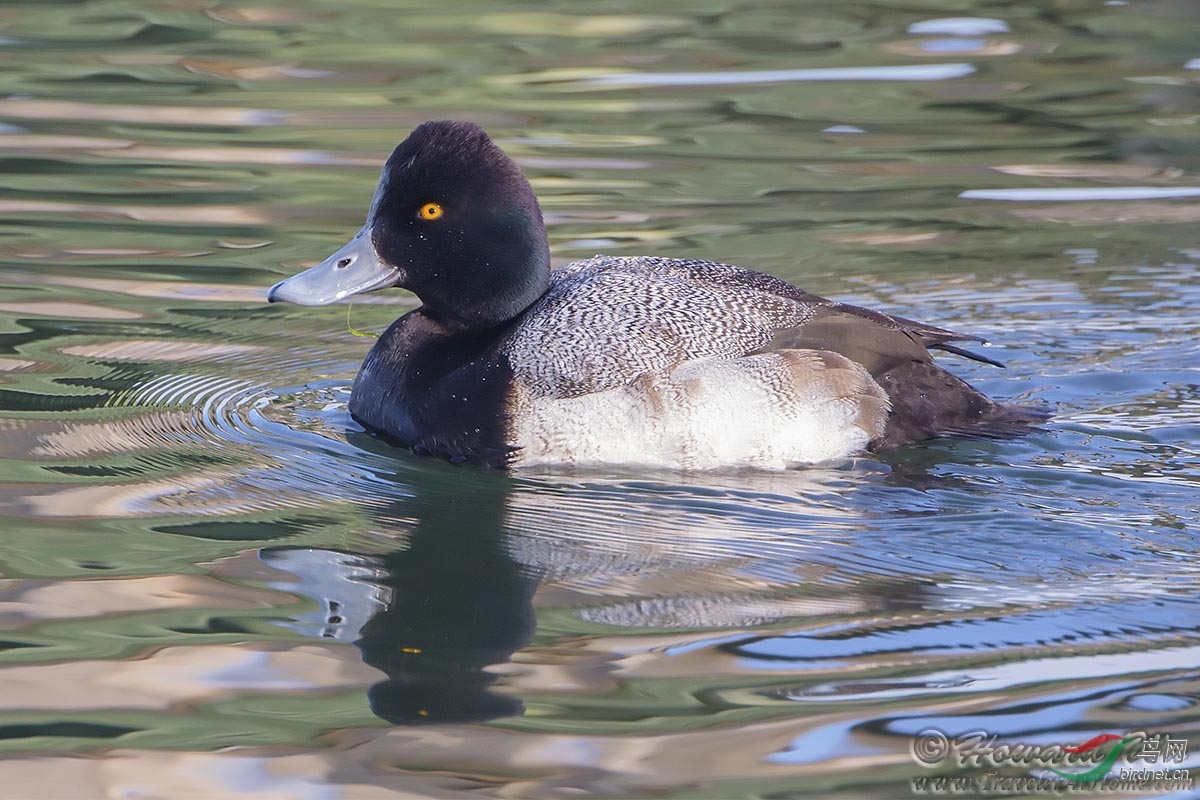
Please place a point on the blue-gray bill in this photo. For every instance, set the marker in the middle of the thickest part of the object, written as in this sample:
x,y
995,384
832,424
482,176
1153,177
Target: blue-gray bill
x,y
354,269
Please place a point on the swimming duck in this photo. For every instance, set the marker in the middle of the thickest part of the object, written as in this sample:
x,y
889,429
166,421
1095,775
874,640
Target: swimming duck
x,y
613,359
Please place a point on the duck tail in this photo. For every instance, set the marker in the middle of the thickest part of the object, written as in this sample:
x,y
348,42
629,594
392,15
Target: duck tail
x,y
1002,421
928,402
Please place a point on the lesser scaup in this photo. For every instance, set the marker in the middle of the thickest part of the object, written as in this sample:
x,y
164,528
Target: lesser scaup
x,y
617,360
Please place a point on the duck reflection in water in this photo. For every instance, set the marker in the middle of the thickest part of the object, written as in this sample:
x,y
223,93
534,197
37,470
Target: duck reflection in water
x,y
454,596
434,614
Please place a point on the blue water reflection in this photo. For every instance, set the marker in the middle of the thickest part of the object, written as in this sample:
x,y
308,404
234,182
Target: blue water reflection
x,y
215,580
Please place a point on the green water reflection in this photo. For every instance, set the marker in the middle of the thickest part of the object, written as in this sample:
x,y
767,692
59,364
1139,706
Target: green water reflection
x,y
216,586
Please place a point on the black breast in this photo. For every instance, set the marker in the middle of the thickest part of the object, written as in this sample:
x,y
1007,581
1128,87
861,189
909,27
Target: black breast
x,y
437,391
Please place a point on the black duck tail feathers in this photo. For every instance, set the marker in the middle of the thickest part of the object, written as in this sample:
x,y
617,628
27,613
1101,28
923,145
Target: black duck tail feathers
x,y
1004,421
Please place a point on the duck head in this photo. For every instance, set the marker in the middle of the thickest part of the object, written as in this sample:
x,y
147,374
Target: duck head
x,y
454,221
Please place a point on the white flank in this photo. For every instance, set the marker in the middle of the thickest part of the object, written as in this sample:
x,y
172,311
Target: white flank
x,y
773,411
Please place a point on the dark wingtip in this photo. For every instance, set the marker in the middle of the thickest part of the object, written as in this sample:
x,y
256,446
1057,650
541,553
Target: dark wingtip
x,y
961,351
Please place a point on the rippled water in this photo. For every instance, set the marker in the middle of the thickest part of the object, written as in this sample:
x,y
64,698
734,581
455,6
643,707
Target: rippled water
x,y
217,586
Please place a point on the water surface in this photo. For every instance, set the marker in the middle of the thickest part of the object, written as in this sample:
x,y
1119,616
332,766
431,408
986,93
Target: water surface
x,y
216,585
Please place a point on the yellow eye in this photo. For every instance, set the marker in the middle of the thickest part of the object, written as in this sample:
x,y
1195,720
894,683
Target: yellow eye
x,y
430,211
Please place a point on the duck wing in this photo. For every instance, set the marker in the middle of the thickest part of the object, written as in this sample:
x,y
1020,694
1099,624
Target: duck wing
x,y
926,400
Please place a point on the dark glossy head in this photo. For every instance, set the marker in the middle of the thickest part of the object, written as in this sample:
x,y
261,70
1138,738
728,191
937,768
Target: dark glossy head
x,y
454,221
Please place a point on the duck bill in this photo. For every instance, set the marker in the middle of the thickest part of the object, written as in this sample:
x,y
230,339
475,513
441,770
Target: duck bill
x,y
354,269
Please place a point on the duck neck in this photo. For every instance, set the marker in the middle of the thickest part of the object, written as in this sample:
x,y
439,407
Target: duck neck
x,y
485,293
